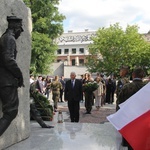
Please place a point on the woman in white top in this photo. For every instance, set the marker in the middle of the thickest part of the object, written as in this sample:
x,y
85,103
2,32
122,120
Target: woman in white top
x,y
98,93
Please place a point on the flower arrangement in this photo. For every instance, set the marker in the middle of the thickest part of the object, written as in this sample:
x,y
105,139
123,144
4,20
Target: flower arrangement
x,y
90,87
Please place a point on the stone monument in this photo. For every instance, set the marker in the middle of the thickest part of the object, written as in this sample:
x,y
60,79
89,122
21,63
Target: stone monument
x,y
19,129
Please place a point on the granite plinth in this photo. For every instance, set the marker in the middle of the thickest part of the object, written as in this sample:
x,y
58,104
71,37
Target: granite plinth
x,y
71,136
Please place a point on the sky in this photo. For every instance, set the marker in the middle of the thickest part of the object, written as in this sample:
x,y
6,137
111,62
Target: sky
x,y
95,14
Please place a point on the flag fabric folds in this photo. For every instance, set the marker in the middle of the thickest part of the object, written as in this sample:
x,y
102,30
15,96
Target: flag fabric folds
x,y
132,120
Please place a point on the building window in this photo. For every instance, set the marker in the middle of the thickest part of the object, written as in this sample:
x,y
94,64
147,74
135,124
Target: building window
x,y
73,62
81,62
73,50
66,51
81,50
59,51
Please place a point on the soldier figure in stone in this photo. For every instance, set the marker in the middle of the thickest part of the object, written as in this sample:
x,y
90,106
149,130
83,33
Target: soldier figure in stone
x,y
128,90
121,82
10,74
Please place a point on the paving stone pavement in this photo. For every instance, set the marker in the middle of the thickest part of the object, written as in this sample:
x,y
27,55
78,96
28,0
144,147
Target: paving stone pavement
x,y
96,116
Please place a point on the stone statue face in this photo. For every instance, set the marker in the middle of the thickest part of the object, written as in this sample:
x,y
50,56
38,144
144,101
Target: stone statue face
x,y
15,24
18,32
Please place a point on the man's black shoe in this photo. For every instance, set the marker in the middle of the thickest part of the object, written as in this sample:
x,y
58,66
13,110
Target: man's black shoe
x,y
47,126
88,113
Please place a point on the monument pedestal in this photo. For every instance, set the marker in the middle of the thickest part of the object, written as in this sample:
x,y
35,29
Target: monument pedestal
x,y
74,136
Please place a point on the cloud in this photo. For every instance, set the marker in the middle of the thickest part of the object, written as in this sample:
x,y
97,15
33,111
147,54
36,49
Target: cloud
x,y
94,14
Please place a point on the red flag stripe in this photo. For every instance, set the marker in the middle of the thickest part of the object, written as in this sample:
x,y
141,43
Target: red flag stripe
x,y
137,132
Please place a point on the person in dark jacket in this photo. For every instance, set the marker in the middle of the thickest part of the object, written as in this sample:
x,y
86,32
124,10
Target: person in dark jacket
x,y
128,90
124,70
73,94
109,90
39,85
10,74
89,96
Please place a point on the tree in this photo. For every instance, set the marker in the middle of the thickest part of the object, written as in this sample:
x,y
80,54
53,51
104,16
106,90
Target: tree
x,y
113,47
47,26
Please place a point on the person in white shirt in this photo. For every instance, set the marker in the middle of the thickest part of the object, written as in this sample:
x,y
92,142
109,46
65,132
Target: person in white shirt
x,y
31,79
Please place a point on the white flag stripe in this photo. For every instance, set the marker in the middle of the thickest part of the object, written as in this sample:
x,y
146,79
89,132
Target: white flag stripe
x,y
135,106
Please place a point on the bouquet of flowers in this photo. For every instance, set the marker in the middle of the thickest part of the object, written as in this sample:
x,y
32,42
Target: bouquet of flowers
x,y
90,87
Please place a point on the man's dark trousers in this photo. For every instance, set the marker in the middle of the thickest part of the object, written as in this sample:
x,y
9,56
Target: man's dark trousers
x,y
74,107
10,102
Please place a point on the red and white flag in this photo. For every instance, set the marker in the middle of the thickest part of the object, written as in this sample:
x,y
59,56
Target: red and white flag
x,y
132,120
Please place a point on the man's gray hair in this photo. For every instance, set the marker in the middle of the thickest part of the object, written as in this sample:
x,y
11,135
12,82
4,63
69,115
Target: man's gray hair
x,y
73,73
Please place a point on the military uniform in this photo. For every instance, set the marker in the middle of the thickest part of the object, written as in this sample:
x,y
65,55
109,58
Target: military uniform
x,y
119,86
127,91
56,86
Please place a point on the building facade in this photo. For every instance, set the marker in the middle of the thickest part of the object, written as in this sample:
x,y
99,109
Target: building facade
x,y
73,47
73,50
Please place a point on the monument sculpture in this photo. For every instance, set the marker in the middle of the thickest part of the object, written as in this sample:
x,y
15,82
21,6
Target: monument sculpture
x,y
10,74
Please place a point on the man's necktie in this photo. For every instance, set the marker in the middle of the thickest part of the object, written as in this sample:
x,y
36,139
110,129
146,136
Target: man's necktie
x,y
72,83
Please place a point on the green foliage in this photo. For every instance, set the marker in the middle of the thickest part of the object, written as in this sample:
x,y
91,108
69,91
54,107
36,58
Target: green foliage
x,y
47,26
113,47
41,102
42,54
43,106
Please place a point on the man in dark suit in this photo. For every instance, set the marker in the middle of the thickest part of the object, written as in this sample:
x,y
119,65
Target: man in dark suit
x,y
73,94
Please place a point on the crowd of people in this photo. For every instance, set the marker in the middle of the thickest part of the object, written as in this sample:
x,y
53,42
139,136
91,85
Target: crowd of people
x,y
57,87
105,93
73,92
